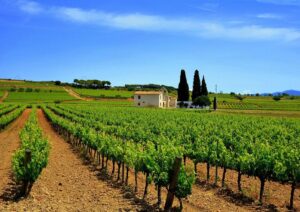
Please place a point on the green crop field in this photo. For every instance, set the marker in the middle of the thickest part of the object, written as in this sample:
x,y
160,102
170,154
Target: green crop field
x,y
226,101
22,83
263,147
38,97
104,93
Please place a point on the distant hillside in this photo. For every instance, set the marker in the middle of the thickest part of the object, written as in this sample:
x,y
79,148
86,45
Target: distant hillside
x,y
289,92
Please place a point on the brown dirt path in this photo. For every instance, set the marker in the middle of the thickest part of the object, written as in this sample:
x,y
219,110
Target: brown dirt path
x,y
67,184
74,94
9,142
4,96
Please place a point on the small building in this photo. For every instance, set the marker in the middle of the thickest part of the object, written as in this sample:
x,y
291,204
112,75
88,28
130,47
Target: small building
x,y
159,99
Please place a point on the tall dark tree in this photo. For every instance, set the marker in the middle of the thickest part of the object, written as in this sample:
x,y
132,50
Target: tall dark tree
x,y
183,88
196,86
204,91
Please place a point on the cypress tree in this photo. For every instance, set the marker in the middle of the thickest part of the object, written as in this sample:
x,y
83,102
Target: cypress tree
x,y
204,91
183,88
196,86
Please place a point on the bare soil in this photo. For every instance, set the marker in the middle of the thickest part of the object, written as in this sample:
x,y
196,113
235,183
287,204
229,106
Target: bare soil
x,y
67,184
72,183
76,95
202,199
9,143
276,195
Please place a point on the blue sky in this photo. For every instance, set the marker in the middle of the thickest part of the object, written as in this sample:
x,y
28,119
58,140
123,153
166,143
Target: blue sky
x,y
242,46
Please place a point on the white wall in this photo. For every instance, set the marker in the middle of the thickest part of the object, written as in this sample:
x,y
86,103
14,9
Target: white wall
x,y
152,100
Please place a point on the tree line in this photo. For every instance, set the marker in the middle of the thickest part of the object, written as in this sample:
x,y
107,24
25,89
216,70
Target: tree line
x,y
199,92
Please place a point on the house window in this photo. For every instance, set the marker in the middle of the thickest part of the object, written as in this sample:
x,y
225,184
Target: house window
x,y
139,97
139,104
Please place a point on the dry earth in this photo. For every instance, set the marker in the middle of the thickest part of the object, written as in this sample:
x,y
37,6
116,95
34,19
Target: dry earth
x,y
71,183
5,95
67,184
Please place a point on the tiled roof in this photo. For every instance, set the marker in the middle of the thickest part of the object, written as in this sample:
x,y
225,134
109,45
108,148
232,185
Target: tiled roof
x,y
147,93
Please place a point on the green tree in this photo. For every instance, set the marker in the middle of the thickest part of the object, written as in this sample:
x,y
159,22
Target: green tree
x,y
202,101
183,88
196,86
204,91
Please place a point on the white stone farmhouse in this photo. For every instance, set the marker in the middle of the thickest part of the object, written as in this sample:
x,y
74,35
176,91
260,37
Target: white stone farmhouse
x,y
159,99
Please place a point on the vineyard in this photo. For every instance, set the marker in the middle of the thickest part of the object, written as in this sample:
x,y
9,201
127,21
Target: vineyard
x,y
138,146
128,136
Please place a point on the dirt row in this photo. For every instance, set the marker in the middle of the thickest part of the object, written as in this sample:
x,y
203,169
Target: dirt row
x,y
5,95
70,183
9,142
66,184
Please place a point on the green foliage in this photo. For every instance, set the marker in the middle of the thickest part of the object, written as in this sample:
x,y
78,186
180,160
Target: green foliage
x,y
196,86
38,96
267,148
240,97
33,140
183,88
277,98
94,84
202,101
9,115
204,91
103,93
186,179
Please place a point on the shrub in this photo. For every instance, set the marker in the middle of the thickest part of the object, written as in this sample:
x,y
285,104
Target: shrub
x,y
277,98
28,90
21,89
202,101
57,101
57,82
12,89
37,90
240,97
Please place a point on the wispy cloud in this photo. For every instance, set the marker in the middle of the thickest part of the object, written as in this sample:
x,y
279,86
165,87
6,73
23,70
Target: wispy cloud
x,y
144,22
282,2
30,7
208,7
269,16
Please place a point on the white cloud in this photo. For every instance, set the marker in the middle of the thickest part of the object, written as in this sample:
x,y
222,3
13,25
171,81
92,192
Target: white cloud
x,y
30,7
282,2
208,7
269,16
138,21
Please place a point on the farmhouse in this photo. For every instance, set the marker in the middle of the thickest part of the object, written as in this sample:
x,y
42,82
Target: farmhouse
x,y
159,99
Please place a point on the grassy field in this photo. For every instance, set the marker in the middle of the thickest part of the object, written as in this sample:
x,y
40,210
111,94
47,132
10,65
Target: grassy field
x,y
22,83
49,92
226,101
38,97
104,93
1,93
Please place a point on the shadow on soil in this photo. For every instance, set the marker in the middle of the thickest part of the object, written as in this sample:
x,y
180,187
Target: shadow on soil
x,y
12,192
102,175
236,198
